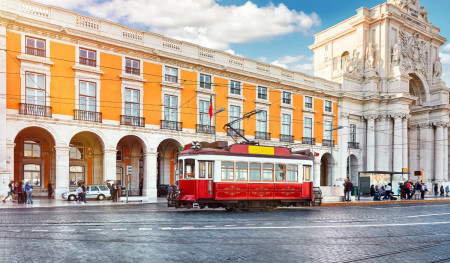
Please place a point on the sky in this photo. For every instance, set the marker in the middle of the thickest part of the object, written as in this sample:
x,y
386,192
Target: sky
x,y
275,32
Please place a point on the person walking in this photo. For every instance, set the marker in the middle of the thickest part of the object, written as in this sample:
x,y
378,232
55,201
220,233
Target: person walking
x,y
80,193
83,187
348,190
114,191
436,187
20,194
141,185
29,191
447,189
442,190
50,190
11,192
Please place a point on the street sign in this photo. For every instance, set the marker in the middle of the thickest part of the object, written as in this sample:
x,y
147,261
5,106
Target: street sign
x,y
129,169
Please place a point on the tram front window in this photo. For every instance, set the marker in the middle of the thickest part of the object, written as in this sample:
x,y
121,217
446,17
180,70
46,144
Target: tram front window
x,y
189,165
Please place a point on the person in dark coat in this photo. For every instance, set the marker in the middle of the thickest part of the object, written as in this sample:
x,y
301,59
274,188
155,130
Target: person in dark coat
x,y
141,185
20,193
50,190
348,190
113,191
372,190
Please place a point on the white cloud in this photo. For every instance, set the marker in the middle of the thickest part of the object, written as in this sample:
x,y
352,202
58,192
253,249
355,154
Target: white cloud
x,y
262,59
446,47
445,58
204,22
292,63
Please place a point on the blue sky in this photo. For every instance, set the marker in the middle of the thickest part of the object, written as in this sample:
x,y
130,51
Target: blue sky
x,y
277,32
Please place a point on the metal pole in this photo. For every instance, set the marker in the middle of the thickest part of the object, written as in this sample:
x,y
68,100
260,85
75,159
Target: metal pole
x,y
359,179
215,118
127,188
332,159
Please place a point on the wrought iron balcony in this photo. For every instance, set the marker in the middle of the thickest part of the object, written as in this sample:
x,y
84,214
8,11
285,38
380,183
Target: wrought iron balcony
x,y
327,142
208,129
35,51
233,134
262,135
133,71
308,140
286,138
308,105
171,78
353,145
132,121
35,110
171,125
88,62
83,115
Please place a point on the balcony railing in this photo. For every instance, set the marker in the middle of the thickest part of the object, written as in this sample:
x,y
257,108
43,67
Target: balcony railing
x,y
35,110
308,140
133,71
327,142
88,62
82,115
286,138
353,145
171,78
262,135
308,105
132,121
233,134
171,125
208,129
35,51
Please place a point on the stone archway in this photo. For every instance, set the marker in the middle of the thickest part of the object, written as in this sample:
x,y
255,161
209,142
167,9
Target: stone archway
x,y
418,89
325,170
167,164
130,152
34,159
352,173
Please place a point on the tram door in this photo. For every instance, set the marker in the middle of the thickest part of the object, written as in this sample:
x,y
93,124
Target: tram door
x,y
205,179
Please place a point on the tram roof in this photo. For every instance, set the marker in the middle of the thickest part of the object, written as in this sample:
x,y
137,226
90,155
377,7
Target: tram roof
x,y
247,151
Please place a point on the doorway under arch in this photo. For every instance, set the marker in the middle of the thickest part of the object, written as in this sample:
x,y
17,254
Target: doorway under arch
x,y
167,164
325,171
352,173
130,153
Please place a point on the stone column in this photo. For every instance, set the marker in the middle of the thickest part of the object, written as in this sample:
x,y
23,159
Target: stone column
x,y
341,172
414,163
150,166
439,152
398,142
446,175
382,144
62,170
425,151
405,141
316,172
370,142
5,174
109,164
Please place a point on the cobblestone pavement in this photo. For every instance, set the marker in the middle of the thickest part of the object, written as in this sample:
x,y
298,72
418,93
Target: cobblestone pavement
x,y
154,233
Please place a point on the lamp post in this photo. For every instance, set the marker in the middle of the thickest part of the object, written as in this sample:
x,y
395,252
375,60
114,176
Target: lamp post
x,y
215,117
332,159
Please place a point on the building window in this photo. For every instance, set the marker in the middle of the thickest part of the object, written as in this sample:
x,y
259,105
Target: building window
x,y
255,172
171,74
76,151
227,171
170,108
35,47
308,102
235,113
119,175
119,154
76,174
35,89
88,57
205,81
335,63
31,148
306,172
204,113
132,66
88,96
353,133
262,93
328,106
287,98
32,174
235,87
132,102
292,173
344,59
285,124
241,171
267,172
327,130
280,172
261,121
307,127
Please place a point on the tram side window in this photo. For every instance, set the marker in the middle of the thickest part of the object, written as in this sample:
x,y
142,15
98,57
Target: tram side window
x,y
292,173
180,165
210,170
205,169
268,172
189,169
255,172
241,171
280,172
306,172
227,171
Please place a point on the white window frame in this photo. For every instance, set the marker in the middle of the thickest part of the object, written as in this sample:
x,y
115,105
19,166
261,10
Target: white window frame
x,y
137,86
282,123
240,87
124,64
312,102
77,57
177,76
267,93
312,126
290,97
325,106
200,82
326,129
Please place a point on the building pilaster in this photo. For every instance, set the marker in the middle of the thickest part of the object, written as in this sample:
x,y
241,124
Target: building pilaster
x,y
405,141
150,172
62,170
445,143
316,172
109,164
5,174
398,142
425,151
439,152
370,142
343,147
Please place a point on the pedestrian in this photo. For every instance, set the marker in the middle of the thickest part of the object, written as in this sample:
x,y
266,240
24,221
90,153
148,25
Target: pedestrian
x,y
447,190
50,190
11,192
29,191
348,190
80,193
389,194
407,188
20,193
442,190
436,187
113,191
83,187
418,191
141,185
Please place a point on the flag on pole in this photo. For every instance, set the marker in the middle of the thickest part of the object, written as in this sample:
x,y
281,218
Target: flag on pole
x,y
210,108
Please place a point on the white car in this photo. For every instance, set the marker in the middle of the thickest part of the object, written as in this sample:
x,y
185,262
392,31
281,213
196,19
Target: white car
x,y
99,192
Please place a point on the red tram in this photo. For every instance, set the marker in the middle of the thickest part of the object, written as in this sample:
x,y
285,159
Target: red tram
x,y
241,177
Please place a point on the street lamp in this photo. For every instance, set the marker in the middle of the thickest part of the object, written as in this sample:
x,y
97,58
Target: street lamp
x,y
215,120
332,159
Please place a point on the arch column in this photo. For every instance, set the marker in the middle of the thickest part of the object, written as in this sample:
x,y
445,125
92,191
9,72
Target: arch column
x,y
445,143
398,142
439,151
405,141
382,144
150,166
4,172
370,142
425,150
62,170
109,164
343,148
316,171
